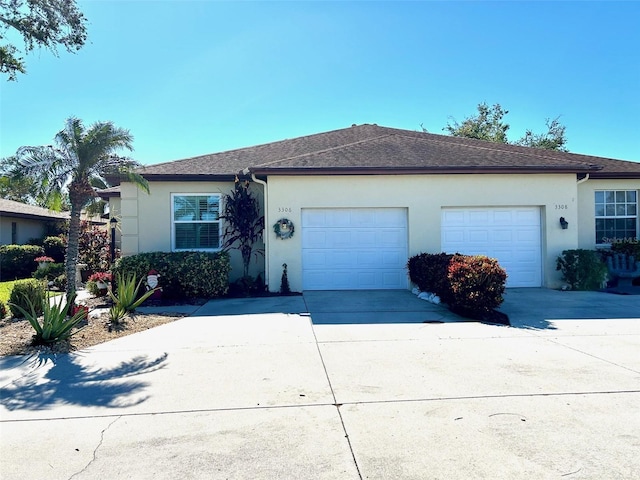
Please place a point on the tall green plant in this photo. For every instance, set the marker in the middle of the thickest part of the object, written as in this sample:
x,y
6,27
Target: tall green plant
x,y
243,222
79,157
582,269
126,300
56,323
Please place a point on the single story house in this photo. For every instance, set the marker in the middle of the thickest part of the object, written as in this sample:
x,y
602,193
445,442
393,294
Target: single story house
x,y
361,200
20,222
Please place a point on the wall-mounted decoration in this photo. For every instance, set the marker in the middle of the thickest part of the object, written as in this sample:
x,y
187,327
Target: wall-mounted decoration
x,y
284,228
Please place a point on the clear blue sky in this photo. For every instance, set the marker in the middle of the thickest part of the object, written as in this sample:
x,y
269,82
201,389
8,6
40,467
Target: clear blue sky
x,y
195,77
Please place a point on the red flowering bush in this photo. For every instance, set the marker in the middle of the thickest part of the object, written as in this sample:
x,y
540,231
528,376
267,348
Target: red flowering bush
x,y
104,277
476,282
429,272
44,259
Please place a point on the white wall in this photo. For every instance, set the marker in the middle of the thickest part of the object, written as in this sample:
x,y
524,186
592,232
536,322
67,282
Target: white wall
x,y
586,206
26,229
146,218
424,196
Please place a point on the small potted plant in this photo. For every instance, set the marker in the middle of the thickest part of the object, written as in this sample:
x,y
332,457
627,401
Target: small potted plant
x,y
102,280
43,261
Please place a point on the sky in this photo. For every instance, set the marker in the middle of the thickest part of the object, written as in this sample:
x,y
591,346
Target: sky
x,y
188,78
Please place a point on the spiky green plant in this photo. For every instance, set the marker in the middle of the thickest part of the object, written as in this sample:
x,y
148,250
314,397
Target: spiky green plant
x,y
57,324
126,299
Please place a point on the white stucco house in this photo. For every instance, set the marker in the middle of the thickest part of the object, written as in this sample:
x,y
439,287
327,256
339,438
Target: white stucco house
x,y
363,199
20,222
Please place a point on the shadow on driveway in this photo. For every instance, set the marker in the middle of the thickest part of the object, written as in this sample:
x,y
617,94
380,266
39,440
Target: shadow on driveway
x,y
68,382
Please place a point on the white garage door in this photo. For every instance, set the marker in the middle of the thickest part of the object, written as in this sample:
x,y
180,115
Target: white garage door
x,y
510,234
354,248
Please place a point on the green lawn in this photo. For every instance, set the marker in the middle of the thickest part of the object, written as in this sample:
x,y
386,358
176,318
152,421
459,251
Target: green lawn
x,y
6,287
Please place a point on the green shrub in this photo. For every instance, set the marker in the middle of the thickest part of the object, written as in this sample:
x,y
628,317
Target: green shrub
x,y
183,275
56,324
628,247
25,295
49,272
429,272
94,248
582,269
477,283
3,310
55,247
17,261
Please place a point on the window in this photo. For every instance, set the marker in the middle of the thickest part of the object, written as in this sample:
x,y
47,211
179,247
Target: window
x,y
14,233
616,215
195,221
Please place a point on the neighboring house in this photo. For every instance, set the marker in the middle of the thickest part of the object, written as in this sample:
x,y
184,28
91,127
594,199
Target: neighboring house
x,y
365,198
111,195
20,222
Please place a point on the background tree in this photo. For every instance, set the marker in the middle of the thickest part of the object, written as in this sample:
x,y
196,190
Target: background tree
x,y
554,139
79,156
14,185
41,23
489,125
486,125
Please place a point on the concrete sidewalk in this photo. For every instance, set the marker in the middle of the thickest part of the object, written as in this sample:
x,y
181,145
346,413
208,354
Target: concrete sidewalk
x,y
233,392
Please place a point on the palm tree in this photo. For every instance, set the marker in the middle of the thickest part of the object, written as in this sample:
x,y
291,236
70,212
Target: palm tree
x,y
79,157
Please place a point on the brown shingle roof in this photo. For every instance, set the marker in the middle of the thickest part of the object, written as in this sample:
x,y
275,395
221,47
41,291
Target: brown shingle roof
x,y
9,208
374,149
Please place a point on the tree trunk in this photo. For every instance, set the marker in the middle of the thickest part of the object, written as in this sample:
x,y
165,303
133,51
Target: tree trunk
x,y
80,192
71,258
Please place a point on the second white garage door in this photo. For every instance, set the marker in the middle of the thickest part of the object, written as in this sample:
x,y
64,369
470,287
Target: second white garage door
x,y
510,234
354,248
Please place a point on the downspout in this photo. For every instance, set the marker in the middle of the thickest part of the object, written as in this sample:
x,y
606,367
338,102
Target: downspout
x,y
582,180
265,235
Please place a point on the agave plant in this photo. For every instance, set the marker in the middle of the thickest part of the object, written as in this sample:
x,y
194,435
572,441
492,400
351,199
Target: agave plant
x,y
126,300
57,324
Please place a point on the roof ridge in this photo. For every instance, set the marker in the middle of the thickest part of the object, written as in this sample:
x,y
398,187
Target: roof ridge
x,y
325,150
275,142
491,146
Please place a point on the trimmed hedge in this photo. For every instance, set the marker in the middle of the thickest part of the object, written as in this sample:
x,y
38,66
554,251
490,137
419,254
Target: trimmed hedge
x,y
18,261
628,247
183,275
468,284
55,247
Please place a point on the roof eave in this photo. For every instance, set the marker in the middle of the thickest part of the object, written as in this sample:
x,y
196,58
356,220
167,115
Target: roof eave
x,y
418,171
31,216
190,177
614,175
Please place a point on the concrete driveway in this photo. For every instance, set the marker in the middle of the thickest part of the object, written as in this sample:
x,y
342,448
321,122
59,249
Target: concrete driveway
x,y
380,385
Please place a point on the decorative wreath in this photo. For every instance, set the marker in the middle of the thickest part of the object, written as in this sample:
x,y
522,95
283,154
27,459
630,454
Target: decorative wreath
x,y
284,228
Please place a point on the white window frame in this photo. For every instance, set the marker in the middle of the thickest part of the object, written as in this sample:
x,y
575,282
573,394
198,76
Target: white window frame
x,y
175,222
615,216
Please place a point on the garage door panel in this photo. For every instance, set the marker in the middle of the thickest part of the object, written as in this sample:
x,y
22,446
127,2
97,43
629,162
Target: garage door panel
x,y
359,249
510,234
478,236
314,238
478,217
501,235
391,237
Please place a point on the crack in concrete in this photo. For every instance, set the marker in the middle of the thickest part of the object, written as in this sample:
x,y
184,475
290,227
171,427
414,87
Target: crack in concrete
x,y
95,450
336,404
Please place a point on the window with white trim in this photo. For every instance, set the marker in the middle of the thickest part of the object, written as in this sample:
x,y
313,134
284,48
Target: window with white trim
x,y
195,221
616,215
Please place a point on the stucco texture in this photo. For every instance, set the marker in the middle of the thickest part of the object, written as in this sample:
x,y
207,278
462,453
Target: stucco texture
x,y
423,196
146,219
